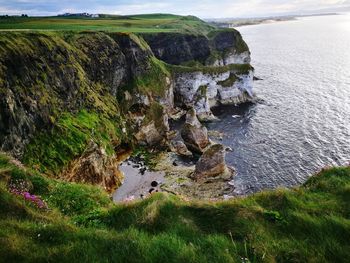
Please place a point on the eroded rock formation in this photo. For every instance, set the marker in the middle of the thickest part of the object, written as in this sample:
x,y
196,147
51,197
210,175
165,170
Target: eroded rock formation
x,y
94,166
180,148
194,134
212,164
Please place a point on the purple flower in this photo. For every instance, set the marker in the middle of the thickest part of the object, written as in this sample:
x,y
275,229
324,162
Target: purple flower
x,y
35,200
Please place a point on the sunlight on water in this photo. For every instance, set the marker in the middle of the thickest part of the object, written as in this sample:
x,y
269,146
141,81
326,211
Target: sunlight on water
x,y
303,124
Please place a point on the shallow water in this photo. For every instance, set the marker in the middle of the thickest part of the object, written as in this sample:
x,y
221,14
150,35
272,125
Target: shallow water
x,y
136,185
303,124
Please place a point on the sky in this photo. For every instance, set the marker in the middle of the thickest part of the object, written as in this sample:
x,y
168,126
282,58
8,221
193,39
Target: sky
x,y
200,8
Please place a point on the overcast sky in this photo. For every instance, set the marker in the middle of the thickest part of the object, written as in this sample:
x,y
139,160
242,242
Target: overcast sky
x,y
201,8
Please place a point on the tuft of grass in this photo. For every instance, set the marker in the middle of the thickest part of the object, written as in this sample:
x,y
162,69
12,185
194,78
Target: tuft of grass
x,y
229,81
235,68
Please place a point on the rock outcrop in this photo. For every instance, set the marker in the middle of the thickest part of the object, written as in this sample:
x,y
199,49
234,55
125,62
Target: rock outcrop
x,y
194,134
177,48
212,164
180,149
203,90
94,166
222,47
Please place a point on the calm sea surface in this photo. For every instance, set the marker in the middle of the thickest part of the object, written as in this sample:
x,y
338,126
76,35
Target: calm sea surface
x,y
303,123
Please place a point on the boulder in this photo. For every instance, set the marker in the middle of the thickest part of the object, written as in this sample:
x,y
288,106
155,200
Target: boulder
x,y
149,135
194,134
180,148
155,131
95,167
212,164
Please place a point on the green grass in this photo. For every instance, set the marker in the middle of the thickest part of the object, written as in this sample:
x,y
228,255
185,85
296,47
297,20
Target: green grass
x,y
136,24
52,150
236,68
229,81
306,224
153,82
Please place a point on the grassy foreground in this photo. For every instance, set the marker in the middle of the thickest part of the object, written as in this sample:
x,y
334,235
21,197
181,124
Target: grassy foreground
x,y
307,224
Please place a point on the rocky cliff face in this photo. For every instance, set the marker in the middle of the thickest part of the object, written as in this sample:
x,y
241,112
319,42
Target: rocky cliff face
x,y
214,69
222,47
60,92
205,89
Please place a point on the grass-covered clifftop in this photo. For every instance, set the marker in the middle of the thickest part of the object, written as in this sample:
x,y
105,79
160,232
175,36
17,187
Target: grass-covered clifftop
x,y
306,224
133,23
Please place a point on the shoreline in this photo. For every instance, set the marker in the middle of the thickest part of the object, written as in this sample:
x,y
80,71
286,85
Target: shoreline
x,y
234,23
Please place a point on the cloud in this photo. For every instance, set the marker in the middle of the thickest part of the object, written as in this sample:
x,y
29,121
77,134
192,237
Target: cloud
x,y
202,8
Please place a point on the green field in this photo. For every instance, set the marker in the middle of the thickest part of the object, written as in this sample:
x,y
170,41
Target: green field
x,y
136,23
306,224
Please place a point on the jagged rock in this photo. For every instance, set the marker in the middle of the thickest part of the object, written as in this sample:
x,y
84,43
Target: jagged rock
x,y
180,148
194,134
154,129
212,164
175,48
149,135
94,166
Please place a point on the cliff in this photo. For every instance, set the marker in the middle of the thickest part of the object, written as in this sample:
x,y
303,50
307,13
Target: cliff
x,y
63,91
219,47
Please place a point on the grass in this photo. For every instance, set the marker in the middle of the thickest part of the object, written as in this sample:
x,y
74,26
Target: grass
x,y
229,81
136,24
52,150
153,83
155,79
306,224
236,68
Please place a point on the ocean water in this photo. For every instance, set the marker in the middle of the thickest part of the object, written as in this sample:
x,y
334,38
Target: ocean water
x,y
303,121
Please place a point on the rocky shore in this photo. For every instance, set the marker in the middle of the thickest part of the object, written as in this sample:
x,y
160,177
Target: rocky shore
x,y
71,103
194,166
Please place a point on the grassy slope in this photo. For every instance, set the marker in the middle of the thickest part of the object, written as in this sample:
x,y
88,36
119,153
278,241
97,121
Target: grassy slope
x,y
307,224
137,23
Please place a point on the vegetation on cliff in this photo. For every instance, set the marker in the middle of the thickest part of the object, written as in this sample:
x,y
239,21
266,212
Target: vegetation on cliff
x,y
58,93
52,150
305,224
